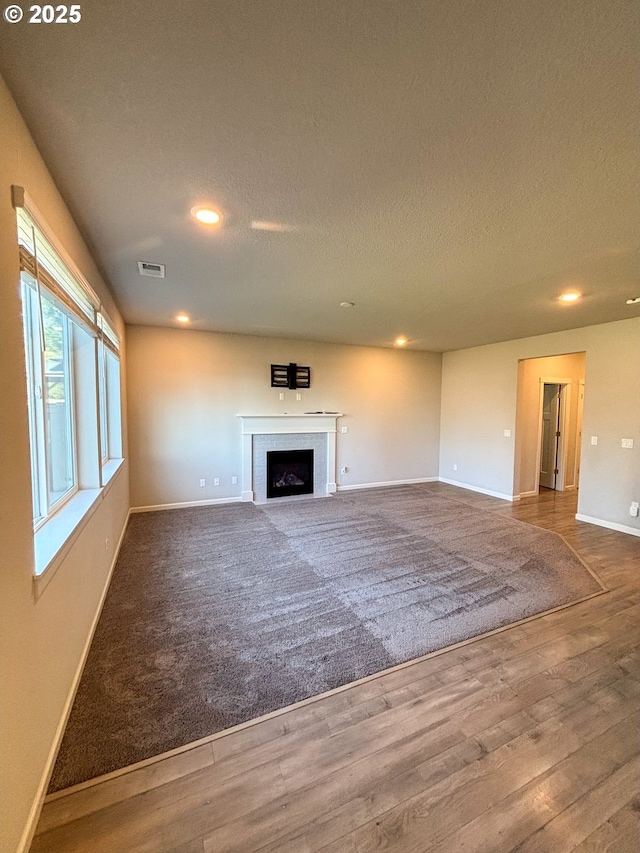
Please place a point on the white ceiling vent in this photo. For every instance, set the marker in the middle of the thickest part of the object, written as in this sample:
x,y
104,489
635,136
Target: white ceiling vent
x,y
154,270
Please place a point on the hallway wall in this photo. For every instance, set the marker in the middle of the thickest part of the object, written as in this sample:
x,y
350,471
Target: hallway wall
x,y
479,403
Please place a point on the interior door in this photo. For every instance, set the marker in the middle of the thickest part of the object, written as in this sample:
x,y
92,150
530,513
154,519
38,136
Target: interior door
x,y
549,439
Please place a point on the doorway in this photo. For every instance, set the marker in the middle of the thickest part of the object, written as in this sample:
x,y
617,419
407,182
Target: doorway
x,y
551,435
549,423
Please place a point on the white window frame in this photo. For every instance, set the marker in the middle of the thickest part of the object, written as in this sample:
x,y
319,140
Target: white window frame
x,y
103,416
109,392
34,380
93,401
43,506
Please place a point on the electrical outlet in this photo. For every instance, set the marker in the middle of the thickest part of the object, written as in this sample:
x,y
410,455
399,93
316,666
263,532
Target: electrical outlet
x,y
203,482
298,396
594,439
234,481
106,544
634,509
216,481
455,467
507,433
344,470
281,395
344,430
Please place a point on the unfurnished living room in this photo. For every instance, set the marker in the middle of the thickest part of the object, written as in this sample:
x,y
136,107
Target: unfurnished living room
x,y
320,334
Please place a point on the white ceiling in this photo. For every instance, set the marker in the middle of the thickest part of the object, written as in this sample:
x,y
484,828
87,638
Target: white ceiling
x,y
450,167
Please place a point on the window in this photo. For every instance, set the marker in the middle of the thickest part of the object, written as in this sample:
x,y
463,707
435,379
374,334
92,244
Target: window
x,y
109,392
73,379
48,337
102,398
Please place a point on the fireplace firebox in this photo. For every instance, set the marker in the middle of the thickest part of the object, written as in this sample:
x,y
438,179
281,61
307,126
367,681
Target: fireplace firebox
x,y
289,472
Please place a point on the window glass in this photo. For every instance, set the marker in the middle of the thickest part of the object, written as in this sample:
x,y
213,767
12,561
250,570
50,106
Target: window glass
x,y
113,413
58,401
102,394
34,384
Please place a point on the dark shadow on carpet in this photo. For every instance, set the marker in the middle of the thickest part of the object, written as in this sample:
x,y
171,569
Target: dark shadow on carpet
x,y
217,615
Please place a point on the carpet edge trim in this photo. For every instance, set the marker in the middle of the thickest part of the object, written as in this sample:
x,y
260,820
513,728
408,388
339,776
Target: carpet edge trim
x,y
156,759
593,574
563,539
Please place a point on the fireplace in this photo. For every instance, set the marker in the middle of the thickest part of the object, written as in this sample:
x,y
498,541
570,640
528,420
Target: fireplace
x,y
289,472
262,434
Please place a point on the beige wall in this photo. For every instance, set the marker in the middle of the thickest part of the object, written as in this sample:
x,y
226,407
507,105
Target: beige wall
x,y
531,372
479,401
186,389
42,640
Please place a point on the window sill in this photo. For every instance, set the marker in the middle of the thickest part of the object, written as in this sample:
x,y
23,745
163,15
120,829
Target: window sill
x,y
54,539
110,469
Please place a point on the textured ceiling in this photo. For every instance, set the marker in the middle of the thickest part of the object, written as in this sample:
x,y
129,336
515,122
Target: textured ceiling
x,y
449,167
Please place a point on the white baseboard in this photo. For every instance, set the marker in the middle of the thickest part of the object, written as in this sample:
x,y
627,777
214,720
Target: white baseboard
x,y
185,504
611,525
482,491
36,808
332,488
349,488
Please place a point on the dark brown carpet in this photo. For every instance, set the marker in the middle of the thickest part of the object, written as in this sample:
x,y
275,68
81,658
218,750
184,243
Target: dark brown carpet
x,y
216,615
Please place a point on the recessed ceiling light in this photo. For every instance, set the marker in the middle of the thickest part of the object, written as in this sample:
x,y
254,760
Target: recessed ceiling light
x,y
570,297
634,301
206,215
183,318
401,341
347,304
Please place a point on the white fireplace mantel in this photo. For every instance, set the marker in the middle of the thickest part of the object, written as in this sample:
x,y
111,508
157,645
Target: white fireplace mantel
x,y
286,424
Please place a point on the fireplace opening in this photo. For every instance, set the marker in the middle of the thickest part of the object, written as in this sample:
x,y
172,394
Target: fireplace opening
x,y
289,472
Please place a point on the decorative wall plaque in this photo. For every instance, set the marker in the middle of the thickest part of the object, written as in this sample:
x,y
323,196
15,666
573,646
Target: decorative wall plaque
x,y
290,375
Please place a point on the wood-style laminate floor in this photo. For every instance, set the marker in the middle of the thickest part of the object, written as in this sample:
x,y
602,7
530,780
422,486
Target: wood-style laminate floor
x,y
527,740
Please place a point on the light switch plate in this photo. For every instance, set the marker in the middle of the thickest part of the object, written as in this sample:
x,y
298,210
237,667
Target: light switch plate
x,y
627,443
594,439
